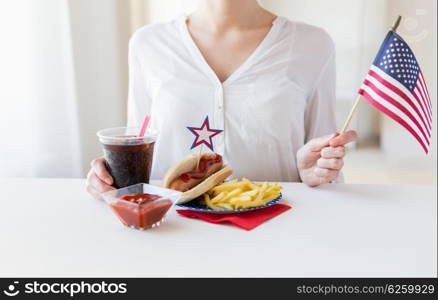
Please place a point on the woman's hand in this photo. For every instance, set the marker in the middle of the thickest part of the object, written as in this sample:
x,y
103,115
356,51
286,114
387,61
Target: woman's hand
x,y
99,180
320,160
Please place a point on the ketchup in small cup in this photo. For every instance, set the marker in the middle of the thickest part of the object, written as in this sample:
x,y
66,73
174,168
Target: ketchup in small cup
x,y
141,206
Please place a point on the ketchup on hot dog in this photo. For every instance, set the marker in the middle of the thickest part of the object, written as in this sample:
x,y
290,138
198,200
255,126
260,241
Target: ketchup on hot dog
x,y
208,165
204,164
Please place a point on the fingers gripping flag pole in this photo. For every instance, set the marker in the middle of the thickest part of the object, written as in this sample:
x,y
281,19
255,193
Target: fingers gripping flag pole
x,y
356,102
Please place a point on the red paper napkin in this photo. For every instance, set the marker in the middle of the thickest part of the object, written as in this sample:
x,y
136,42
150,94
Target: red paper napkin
x,y
246,220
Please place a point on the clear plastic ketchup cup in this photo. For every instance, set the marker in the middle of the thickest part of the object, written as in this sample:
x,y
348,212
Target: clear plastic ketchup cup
x,y
141,206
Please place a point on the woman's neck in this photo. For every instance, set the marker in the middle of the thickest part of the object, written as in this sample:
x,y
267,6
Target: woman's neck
x,y
221,15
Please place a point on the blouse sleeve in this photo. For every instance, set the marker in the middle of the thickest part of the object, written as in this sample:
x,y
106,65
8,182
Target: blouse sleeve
x,y
320,116
139,102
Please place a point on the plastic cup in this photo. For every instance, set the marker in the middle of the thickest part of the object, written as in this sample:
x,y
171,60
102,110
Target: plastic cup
x,y
128,157
142,215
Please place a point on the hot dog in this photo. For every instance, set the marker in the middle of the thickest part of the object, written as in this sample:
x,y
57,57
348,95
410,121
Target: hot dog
x,y
185,176
208,164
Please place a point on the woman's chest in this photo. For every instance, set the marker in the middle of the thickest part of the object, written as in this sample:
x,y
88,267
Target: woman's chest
x,y
225,53
258,97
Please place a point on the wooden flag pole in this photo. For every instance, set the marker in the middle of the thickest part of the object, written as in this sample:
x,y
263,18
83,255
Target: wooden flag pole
x,y
396,23
356,102
199,156
350,115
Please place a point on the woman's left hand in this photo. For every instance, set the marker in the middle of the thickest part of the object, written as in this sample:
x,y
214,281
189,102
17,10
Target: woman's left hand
x,y
321,159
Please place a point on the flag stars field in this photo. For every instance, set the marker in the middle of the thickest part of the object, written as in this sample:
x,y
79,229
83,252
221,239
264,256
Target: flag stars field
x,y
410,65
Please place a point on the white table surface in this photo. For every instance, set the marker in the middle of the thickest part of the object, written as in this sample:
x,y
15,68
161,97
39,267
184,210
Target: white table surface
x,y
51,227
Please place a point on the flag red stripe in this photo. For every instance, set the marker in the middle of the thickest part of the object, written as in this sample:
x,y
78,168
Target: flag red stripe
x,y
425,85
400,93
423,88
422,96
399,106
426,92
394,117
428,116
405,97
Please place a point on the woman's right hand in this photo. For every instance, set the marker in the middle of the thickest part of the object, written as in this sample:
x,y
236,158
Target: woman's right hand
x,y
99,180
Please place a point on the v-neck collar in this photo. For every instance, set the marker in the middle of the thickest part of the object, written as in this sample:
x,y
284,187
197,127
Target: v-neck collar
x,y
196,53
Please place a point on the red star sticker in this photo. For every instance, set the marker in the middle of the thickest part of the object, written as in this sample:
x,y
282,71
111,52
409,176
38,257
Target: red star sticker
x,y
204,135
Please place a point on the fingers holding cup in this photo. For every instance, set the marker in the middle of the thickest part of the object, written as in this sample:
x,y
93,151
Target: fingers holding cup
x,y
101,170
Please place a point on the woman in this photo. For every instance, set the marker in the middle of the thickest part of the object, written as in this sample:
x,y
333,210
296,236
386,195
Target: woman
x,y
267,81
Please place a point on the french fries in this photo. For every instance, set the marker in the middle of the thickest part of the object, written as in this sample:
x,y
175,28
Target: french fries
x,y
235,194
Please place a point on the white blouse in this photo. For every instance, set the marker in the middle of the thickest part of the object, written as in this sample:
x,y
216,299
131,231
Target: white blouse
x,y
282,96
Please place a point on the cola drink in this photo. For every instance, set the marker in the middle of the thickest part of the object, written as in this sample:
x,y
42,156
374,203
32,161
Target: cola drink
x,y
128,157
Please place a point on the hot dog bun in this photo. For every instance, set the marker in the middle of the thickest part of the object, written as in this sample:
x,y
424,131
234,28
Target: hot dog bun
x,y
188,164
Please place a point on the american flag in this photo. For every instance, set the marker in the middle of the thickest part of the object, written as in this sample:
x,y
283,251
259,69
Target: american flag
x,y
395,85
